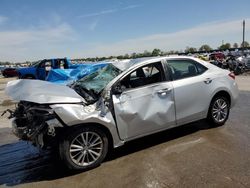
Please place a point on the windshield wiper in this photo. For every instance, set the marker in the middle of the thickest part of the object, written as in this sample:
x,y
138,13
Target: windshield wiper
x,y
88,95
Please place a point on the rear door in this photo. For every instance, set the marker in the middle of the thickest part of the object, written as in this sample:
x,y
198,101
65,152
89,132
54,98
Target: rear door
x,y
192,89
146,103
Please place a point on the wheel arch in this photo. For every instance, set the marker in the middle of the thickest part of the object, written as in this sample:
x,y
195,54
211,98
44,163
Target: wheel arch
x,y
106,131
223,93
69,134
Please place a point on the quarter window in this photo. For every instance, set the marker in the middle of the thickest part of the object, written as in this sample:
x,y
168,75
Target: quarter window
x,y
180,69
201,68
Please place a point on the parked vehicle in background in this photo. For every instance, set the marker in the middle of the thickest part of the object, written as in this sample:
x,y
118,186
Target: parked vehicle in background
x,y
217,56
236,64
9,72
40,69
119,103
2,68
248,62
67,76
245,61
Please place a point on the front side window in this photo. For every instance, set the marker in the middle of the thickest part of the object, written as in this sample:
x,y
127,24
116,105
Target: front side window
x,y
145,75
180,69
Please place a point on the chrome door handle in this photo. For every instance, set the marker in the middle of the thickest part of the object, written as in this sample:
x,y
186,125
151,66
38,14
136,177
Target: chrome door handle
x,y
163,91
208,81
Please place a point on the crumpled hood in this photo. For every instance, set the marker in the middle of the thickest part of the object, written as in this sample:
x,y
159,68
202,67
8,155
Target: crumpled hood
x,y
41,92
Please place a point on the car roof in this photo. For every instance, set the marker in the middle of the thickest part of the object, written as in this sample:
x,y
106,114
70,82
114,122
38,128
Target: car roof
x,y
126,64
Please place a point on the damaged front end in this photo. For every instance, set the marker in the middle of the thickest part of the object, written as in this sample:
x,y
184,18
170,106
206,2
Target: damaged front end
x,y
46,112
35,123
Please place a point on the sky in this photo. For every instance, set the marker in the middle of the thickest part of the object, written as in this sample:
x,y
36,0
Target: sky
x,y
32,30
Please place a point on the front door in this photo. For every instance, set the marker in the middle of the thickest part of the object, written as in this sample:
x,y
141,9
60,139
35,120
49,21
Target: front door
x,y
147,103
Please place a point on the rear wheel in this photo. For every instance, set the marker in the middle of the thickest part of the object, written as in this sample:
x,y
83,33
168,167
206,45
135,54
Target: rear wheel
x,y
219,111
84,148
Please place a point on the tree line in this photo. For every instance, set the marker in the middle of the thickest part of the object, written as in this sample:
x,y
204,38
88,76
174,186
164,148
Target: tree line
x,y
225,46
156,52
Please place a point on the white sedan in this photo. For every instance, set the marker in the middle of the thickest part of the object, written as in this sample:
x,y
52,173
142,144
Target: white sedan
x,y
121,102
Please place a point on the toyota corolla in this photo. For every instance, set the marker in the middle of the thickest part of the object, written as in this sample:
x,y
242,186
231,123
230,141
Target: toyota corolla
x,y
121,102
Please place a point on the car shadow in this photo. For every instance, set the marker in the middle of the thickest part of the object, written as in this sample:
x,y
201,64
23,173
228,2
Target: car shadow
x,y
158,138
21,162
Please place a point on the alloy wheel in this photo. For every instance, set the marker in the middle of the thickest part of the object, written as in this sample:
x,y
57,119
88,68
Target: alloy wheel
x,y
220,110
86,148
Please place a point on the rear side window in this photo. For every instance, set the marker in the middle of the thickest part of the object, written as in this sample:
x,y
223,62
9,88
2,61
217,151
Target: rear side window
x,y
183,68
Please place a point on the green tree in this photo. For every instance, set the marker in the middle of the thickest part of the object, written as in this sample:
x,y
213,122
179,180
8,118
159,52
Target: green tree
x,y
190,49
235,45
126,56
205,47
246,44
225,46
171,52
133,55
147,53
156,52
120,57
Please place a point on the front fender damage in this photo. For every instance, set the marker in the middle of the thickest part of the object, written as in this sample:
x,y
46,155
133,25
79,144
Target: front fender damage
x,y
98,113
34,122
43,125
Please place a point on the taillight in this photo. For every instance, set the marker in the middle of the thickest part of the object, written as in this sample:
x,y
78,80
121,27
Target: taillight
x,y
232,75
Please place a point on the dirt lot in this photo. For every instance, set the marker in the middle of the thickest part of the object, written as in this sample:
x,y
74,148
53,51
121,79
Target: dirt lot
x,y
193,155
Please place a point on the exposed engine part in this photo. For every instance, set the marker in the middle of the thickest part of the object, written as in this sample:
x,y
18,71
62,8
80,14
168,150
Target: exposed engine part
x,y
34,122
53,123
51,131
39,141
11,113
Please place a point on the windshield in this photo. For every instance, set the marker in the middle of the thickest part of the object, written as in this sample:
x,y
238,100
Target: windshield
x,y
35,64
91,85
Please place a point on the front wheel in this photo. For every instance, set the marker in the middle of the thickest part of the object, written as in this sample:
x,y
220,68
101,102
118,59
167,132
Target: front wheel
x,y
219,111
84,148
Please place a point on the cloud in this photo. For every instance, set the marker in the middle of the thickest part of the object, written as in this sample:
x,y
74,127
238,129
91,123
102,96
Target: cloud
x,y
210,33
131,7
3,19
33,43
98,13
60,40
93,25
22,37
109,11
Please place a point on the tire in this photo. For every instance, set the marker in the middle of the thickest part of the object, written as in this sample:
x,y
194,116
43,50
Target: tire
x,y
218,111
78,154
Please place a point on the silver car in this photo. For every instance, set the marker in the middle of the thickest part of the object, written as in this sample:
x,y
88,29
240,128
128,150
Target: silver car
x,y
121,102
